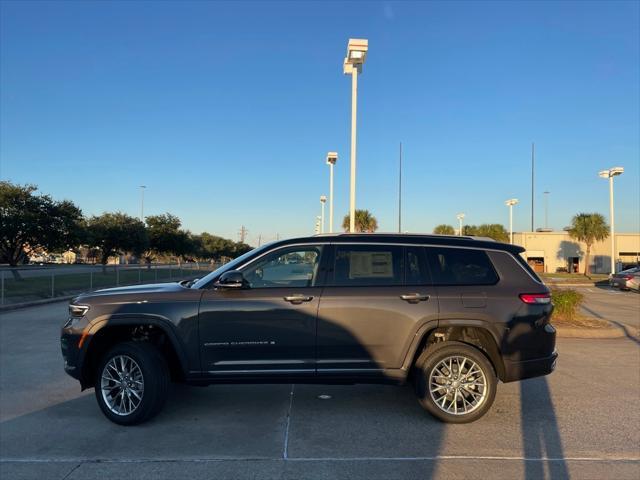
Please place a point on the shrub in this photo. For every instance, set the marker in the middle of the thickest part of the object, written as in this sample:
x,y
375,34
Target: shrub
x,y
566,303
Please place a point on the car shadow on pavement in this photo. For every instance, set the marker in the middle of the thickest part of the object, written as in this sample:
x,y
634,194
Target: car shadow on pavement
x,y
540,432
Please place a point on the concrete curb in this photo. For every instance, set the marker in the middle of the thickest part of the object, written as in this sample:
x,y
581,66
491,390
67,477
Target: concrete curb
x,y
35,303
574,332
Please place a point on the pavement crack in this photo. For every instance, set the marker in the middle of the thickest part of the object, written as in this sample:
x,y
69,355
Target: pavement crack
x,y
71,471
285,452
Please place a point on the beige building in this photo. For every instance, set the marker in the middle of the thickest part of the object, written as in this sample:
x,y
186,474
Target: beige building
x,y
557,252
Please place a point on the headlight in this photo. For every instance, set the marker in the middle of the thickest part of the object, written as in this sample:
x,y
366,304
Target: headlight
x,y
78,311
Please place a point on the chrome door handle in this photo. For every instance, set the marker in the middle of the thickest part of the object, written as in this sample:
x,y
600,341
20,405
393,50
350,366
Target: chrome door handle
x,y
298,299
414,297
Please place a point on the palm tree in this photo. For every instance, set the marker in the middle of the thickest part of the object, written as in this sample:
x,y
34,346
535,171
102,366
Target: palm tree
x,y
444,230
588,228
365,222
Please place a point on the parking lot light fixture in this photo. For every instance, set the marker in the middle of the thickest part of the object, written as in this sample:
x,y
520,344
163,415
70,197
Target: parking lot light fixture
x,y
510,203
323,200
356,55
460,216
610,173
332,158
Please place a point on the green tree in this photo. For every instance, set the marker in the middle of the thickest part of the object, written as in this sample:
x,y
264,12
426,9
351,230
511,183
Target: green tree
x,y
115,234
489,230
166,237
588,228
31,222
365,222
444,229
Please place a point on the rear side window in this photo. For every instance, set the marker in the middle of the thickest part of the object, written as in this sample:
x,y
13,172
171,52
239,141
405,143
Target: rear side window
x,y
461,266
368,265
527,267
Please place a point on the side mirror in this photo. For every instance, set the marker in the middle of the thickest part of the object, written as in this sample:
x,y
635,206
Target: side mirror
x,y
231,279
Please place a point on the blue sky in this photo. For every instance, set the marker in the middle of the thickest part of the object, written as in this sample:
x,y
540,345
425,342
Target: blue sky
x,y
226,110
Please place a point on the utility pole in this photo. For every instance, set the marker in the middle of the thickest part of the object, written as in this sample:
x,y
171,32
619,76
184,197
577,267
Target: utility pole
x,y
243,233
400,193
533,156
259,239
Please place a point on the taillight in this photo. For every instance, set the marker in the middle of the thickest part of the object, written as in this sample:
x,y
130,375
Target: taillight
x,y
536,298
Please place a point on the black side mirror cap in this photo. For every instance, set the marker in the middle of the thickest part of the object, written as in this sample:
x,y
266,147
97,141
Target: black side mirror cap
x,y
231,279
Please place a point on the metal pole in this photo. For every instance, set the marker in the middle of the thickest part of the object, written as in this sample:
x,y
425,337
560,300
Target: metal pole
x,y
321,217
400,193
352,186
613,230
533,146
460,230
546,209
331,198
511,224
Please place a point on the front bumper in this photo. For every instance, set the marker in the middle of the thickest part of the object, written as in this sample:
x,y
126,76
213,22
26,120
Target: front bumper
x,y
70,353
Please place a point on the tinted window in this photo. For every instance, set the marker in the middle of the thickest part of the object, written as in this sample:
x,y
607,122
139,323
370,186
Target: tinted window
x,y
368,265
290,267
416,266
461,266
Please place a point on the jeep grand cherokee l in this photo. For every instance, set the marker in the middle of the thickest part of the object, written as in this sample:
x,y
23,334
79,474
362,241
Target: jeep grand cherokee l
x,y
450,314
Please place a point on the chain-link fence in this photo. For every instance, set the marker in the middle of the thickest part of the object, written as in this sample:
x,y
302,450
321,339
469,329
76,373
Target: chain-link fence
x,y
27,284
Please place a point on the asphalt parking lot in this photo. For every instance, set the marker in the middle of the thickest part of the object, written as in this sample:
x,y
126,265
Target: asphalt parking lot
x,y
580,422
621,307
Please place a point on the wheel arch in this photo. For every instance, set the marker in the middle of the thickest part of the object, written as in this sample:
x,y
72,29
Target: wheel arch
x,y
475,334
106,332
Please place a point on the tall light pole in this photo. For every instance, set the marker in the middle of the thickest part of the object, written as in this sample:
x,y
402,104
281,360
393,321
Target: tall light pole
x,y
510,203
356,55
332,158
317,229
610,173
546,208
142,188
460,216
323,200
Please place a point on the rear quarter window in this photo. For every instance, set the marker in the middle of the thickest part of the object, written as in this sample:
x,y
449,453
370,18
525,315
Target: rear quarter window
x,y
461,266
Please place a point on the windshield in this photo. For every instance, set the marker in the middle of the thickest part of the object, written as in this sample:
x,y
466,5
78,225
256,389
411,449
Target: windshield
x,y
228,266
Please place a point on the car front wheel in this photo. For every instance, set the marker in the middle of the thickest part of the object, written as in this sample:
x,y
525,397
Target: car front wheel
x,y
455,382
132,383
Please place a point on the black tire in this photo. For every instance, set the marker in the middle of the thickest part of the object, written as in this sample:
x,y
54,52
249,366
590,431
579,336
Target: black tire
x,y
435,354
155,376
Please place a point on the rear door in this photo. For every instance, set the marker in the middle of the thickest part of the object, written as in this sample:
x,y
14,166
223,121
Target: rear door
x,y
376,297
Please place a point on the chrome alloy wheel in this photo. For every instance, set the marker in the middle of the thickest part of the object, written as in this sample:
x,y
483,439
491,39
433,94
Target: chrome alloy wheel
x,y
122,385
457,385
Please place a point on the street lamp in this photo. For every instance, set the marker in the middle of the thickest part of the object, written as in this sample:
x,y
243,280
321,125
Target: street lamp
x,y
317,229
332,158
510,203
323,200
546,208
460,216
142,188
356,55
610,173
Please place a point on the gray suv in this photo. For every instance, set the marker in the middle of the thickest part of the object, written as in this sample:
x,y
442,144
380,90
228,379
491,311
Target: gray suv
x,y
452,315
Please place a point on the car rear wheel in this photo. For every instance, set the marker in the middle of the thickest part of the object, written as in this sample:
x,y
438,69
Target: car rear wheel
x,y
132,383
455,382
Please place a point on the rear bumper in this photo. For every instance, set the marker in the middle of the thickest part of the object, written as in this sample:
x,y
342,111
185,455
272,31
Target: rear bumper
x,y
536,367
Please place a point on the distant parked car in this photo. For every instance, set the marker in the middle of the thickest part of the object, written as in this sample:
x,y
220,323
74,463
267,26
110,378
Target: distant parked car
x,y
634,283
623,280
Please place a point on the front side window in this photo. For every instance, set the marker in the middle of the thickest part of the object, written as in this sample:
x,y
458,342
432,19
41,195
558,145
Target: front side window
x,y
368,265
289,267
461,266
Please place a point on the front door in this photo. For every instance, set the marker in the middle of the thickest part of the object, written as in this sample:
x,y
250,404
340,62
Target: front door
x,y
270,326
375,300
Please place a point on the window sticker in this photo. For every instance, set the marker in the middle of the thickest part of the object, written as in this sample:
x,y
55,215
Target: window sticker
x,y
370,265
